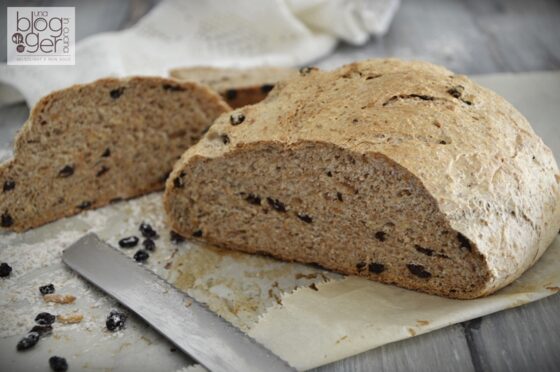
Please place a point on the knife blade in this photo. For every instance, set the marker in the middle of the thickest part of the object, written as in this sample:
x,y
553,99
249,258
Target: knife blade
x,y
190,325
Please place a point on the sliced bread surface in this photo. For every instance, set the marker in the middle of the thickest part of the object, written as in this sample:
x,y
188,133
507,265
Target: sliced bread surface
x,y
87,145
238,86
400,172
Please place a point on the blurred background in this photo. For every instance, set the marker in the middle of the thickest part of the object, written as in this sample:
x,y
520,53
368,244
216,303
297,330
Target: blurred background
x,y
467,36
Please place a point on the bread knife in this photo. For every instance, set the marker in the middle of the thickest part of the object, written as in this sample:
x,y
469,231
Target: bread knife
x,y
190,325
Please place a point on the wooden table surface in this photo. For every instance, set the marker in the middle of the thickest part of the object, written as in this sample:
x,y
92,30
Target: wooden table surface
x,y
470,37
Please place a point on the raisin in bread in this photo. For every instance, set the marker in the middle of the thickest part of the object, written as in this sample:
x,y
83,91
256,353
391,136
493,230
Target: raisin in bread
x,y
240,87
87,145
400,172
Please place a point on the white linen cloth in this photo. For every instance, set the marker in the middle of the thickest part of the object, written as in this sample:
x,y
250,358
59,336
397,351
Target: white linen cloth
x,y
240,33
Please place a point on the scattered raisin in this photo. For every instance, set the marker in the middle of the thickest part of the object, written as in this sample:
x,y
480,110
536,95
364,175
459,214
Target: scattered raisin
x,y
116,93
6,220
265,88
197,233
128,242
141,255
46,289
381,236
253,199
149,245
106,153
305,218
58,364
28,341
42,330
5,270
173,88
66,171
276,204
418,270
147,230
115,320
339,196
84,205
464,242
361,265
102,171
176,237
9,185
376,268
426,251
231,94
225,139
456,91
45,319
236,118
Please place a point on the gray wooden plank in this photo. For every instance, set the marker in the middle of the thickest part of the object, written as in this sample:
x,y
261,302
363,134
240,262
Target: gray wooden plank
x,y
441,350
526,338
468,36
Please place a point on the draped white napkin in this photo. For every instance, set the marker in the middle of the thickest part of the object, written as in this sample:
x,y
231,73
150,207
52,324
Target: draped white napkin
x,y
240,33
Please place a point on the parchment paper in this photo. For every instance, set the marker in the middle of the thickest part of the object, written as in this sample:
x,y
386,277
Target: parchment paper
x,y
306,315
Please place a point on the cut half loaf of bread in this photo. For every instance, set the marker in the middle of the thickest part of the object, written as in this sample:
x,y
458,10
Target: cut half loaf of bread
x,y
239,87
400,172
88,145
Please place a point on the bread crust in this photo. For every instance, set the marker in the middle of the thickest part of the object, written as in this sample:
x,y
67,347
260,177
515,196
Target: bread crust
x,y
477,156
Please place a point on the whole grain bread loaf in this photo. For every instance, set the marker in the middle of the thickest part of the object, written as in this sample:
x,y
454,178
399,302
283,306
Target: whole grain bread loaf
x,y
88,145
239,87
400,172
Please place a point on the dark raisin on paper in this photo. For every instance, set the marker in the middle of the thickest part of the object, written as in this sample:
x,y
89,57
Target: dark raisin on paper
x,y
6,220
305,218
381,236
236,118
66,171
265,88
376,268
149,245
418,270
9,185
276,204
115,320
426,251
116,93
253,199
197,233
58,364
45,318
5,270
42,330
231,94
175,237
464,242
46,289
147,230
28,341
128,242
141,255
